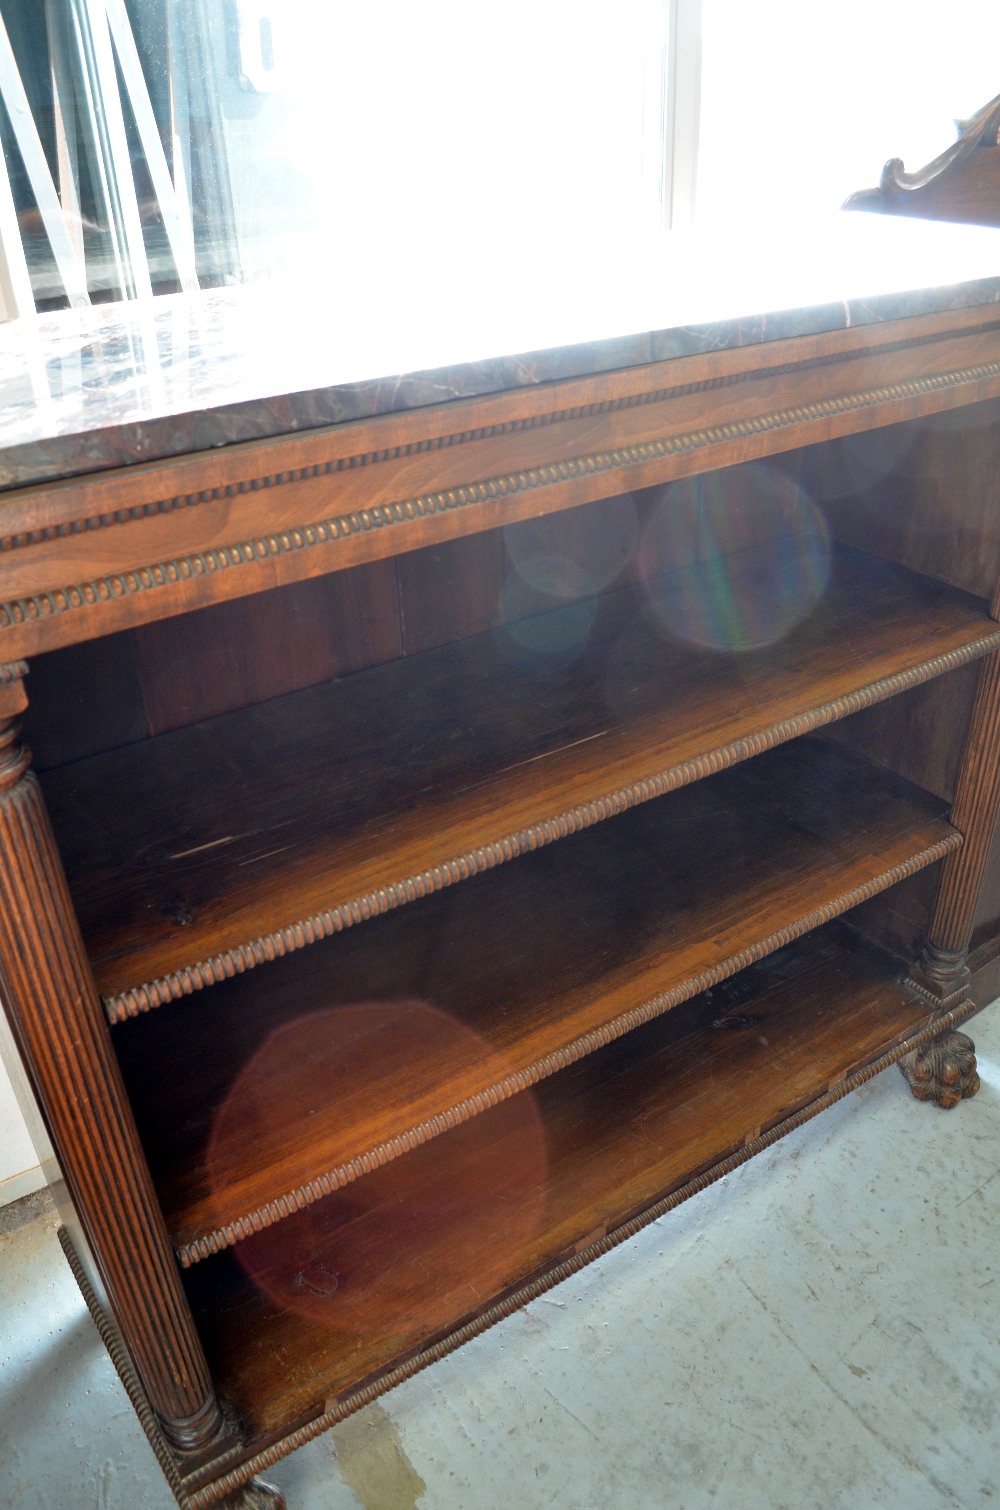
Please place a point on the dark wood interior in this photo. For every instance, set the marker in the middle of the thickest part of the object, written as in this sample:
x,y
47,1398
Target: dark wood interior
x,y
339,1291
173,672
334,803
728,867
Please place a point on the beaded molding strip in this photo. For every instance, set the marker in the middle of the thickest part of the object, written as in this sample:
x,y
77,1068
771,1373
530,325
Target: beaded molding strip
x,y
333,465
115,1348
578,1048
187,979
229,1482
106,589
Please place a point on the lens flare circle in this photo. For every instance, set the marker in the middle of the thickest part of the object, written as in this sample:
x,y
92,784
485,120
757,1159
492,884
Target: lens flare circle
x,y
747,558
389,1252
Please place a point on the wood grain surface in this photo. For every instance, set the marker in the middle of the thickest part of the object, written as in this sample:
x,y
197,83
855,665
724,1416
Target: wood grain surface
x,y
98,554
976,813
64,1041
340,1292
922,494
315,1176
248,836
235,654
100,694
459,1001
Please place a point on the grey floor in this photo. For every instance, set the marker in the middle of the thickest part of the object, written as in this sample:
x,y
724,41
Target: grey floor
x,y
818,1330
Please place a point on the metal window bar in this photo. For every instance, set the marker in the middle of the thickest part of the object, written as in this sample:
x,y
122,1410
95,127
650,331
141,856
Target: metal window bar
x,y
107,124
15,280
70,266
96,74
64,118
71,42
682,116
174,208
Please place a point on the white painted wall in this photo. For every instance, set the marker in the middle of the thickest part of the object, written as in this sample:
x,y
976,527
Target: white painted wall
x,y
20,1171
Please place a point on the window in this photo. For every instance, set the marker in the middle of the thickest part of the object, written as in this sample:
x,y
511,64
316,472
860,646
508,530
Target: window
x,y
162,144
153,145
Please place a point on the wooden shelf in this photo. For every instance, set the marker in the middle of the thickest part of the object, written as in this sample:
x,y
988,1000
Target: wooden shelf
x,y
251,834
346,1055
353,1289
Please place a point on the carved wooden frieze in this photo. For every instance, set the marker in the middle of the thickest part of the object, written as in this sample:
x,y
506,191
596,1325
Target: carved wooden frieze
x,y
94,555
961,183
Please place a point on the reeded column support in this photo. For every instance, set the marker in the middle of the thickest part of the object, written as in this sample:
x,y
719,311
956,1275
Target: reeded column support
x,y
946,1071
974,812
63,1037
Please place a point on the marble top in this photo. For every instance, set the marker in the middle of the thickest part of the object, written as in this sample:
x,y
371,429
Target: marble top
x,y
82,390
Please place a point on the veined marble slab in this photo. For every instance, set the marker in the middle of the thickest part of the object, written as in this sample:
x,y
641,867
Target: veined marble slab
x,y
399,327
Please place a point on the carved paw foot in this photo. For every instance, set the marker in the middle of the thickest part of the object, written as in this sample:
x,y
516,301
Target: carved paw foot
x,y
944,1070
256,1496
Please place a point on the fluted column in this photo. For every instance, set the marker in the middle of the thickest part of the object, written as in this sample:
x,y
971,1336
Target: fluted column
x,y
974,813
64,1040
945,1070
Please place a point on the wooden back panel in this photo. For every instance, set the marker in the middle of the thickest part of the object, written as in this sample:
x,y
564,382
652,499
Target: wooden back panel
x,y
175,672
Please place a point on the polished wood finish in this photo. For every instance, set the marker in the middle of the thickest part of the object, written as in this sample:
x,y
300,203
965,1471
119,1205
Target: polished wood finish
x,y
241,653
896,491
250,837
562,558
987,924
943,1071
663,1106
314,678
56,1017
97,554
451,591
922,494
85,699
915,734
174,672
961,183
239,1142
976,811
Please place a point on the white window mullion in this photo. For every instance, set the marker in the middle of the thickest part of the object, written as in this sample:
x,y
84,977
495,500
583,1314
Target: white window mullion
x,y
109,127
15,281
683,113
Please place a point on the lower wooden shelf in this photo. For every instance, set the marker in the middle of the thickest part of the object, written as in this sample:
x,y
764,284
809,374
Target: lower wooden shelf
x,y
391,1273
272,1090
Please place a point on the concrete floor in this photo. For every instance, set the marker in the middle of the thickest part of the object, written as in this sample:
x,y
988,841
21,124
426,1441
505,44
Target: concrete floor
x,y
818,1330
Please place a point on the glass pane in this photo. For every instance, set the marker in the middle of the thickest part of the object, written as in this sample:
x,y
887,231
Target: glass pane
x,y
802,104
230,139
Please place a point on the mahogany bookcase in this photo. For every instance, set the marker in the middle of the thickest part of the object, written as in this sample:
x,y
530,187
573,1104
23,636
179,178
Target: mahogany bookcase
x,y
474,808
